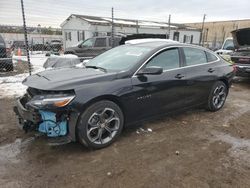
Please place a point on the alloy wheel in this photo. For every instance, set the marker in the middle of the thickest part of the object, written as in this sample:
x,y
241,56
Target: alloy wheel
x,y
219,96
103,125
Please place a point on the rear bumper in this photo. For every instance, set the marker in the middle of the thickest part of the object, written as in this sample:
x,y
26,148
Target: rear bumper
x,y
242,70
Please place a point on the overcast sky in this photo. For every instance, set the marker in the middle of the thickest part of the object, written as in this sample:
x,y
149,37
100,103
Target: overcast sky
x,y
54,12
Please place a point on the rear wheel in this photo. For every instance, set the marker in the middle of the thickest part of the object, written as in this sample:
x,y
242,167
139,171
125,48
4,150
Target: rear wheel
x,y
100,124
217,96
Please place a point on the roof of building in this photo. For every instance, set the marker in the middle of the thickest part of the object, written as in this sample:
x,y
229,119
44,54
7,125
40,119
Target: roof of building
x,y
127,22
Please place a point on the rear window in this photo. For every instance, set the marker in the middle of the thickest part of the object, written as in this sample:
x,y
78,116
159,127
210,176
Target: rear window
x,y
194,56
211,57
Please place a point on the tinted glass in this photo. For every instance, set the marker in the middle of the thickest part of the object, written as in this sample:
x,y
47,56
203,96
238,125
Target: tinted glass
x,y
100,42
116,41
228,44
121,58
168,59
88,43
194,56
211,57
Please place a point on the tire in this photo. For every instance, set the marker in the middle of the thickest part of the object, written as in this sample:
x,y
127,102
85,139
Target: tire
x,y
9,68
217,96
100,124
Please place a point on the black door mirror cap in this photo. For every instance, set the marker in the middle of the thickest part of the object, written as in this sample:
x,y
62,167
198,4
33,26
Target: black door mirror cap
x,y
79,46
153,70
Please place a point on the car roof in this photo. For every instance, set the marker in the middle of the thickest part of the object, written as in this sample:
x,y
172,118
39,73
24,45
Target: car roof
x,y
159,44
139,41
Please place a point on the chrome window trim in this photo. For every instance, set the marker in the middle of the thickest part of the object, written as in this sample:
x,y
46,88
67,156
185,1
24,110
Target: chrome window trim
x,y
218,59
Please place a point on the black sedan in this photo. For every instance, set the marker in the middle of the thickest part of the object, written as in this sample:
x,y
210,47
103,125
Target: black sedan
x,y
124,85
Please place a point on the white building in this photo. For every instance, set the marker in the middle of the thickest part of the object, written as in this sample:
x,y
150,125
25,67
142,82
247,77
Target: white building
x,y
80,27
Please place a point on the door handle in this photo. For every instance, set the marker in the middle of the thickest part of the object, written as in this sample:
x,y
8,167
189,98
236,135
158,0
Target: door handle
x,y
210,70
179,76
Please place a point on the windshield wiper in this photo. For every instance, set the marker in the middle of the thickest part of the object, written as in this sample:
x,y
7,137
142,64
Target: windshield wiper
x,y
96,67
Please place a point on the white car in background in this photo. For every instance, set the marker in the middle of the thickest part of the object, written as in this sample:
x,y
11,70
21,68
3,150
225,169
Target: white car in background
x,y
227,47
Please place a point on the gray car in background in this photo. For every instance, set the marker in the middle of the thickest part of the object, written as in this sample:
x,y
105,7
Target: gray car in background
x,y
92,47
5,61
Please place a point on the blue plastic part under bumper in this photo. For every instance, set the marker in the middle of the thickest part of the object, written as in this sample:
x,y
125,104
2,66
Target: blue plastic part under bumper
x,y
50,126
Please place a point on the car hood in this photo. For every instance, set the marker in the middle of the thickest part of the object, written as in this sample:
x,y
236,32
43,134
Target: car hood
x,y
66,78
241,38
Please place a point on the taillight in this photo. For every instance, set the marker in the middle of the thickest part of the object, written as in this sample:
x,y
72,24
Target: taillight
x,y
234,68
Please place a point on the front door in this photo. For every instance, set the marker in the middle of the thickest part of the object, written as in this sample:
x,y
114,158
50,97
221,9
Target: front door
x,y
157,94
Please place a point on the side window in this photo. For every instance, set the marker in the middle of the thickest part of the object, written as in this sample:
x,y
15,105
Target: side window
x,y
194,56
211,57
116,41
88,42
168,59
100,42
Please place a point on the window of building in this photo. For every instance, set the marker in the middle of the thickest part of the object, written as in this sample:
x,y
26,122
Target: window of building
x,y
66,35
176,36
194,56
69,36
168,59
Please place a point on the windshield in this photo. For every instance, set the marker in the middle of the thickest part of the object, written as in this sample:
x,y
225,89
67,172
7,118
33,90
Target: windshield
x,y
120,58
228,44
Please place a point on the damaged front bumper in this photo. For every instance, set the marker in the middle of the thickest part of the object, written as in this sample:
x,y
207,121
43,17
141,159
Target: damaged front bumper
x,y
55,123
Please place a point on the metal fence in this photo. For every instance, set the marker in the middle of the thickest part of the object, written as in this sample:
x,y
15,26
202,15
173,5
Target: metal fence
x,y
25,49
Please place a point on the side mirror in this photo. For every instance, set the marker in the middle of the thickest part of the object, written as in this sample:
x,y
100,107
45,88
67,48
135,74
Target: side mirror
x,y
153,70
79,46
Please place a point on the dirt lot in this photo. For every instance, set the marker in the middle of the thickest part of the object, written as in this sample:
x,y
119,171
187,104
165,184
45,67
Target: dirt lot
x,y
193,149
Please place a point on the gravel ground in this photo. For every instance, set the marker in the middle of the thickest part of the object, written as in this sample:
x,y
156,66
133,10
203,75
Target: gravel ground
x,y
192,149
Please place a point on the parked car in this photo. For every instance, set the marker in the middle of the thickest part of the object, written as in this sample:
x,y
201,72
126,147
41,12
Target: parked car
x,y
55,45
6,63
61,61
227,47
17,44
124,85
92,47
241,56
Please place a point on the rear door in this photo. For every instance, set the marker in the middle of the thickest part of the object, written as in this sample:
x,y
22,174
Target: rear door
x,y
201,74
86,49
157,94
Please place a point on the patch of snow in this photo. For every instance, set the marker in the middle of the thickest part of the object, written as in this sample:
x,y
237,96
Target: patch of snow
x,y
118,21
154,24
11,86
96,21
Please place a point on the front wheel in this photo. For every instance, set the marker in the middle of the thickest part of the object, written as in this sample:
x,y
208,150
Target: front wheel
x,y
217,96
100,124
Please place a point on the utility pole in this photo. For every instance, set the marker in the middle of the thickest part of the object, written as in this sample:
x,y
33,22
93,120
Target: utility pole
x,y
202,28
25,37
112,27
169,28
137,27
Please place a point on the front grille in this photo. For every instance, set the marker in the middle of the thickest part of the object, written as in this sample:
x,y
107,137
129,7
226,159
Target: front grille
x,y
33,91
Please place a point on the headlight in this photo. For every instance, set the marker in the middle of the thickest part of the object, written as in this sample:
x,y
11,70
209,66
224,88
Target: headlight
x,y
51,100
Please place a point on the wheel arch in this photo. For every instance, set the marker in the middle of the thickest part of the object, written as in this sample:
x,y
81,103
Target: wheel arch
x,y
111,98
225,82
